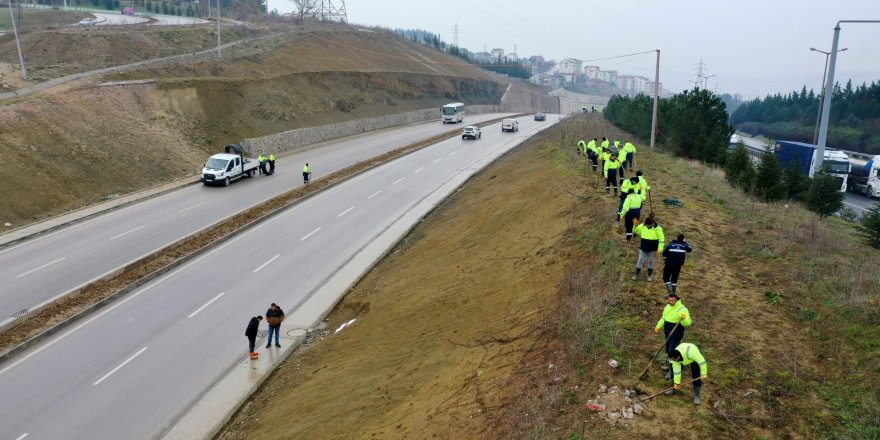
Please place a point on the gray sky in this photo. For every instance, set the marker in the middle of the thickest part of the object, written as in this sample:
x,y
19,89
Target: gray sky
x,y
752,47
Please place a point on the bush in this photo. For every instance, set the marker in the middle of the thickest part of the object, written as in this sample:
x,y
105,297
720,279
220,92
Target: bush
x,y
824,196
738,168
870,226
796,182
768,179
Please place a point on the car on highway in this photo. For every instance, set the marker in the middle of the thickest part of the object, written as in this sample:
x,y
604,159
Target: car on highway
x,y
472,132
540,117
88,22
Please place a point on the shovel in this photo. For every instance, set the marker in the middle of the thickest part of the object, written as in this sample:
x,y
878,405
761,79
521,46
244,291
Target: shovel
x,y
658,351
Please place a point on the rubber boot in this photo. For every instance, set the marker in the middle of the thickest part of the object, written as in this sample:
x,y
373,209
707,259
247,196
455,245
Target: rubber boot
x,y
669,288
675,288
670,392
636,275
697,391
650,274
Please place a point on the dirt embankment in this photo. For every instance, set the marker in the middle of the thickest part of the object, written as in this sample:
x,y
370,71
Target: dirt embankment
x,y
497,315
78,144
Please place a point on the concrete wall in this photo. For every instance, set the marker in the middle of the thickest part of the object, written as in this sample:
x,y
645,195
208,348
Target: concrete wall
x,y
298,139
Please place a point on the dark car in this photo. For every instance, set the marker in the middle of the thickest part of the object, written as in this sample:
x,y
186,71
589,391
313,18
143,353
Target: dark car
x,y
540,117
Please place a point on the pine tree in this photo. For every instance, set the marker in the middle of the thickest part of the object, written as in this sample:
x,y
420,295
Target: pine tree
x,y
870,226
796,182
738,168
768,179
824,196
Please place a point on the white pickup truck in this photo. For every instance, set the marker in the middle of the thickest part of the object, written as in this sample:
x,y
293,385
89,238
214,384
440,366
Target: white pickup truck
x,y
223,168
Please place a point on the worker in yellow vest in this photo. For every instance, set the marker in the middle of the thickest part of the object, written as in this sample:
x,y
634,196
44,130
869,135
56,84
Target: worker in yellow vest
x,y
610,169
689,354
630,154
307,174
652,241
593,153
675,319
271,163
631,210
262,161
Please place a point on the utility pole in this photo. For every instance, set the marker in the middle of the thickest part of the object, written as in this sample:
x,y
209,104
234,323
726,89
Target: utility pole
x,y
18,43
821,95
706,81
826,104
219,49
455,35
656,99
700,68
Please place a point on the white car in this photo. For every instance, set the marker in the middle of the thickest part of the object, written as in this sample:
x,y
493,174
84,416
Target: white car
x,y
88,22
472,132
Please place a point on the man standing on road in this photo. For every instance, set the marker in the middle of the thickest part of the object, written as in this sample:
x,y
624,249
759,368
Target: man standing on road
x,y
307,174
688,354
673,260
271,163
251,334
262,161
674,313
274,316
652,241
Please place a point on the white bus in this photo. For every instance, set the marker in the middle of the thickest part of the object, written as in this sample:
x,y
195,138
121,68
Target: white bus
x,y
452,113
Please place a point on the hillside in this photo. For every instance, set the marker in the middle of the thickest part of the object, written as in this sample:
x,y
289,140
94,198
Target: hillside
x,y
84,141
497,315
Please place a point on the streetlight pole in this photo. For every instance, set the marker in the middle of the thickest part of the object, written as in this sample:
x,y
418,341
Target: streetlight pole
x,y
17,43
826,104
706,81
656,98
821,96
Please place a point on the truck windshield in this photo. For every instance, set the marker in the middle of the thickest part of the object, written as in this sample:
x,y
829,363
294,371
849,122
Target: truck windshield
x,y
838,167
216,164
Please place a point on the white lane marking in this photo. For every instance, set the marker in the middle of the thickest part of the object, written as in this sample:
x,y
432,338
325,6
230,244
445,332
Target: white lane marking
x,y
398,181
374,194
345,212
856,206
438,160
191,207
21,437
41,267
126,233
450,154
98,382
310,234
27,242
266,263
206,305
416,171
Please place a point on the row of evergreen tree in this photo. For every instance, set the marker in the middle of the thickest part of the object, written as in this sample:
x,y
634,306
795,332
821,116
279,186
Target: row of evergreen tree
x,y
854,122
694,124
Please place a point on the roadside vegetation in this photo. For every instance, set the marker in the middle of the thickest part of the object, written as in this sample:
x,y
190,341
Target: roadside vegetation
x,y
855,115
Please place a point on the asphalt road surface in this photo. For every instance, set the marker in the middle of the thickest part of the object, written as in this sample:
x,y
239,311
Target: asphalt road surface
x,y
38,271
132,369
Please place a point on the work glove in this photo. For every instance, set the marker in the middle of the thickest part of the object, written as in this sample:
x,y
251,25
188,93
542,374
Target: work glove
x,y
656,329
684,316
677,386
635,221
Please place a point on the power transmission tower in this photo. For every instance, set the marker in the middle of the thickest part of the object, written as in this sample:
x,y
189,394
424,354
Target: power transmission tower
x,y
333,10
455,35
701,69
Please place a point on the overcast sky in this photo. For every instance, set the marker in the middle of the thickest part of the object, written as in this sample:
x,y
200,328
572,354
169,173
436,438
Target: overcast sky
x,y
752,47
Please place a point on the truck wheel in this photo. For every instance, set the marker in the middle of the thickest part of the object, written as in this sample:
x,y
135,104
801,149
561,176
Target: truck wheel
x,y
869,192
226,182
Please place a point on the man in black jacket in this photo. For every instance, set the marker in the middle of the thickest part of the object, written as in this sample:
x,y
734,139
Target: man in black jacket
x,y
274,316
251,334
673,259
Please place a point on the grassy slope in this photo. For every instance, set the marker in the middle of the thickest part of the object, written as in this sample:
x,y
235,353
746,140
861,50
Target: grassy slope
x,y
785,307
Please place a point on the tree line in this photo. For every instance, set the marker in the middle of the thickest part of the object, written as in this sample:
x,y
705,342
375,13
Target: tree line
x,y
854,122
694,124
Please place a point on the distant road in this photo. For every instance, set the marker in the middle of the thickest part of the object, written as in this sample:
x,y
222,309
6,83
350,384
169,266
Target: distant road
x,y
856,202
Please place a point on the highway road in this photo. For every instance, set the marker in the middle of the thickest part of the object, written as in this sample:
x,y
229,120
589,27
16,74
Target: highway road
x,y
856,202
38,271
132,369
